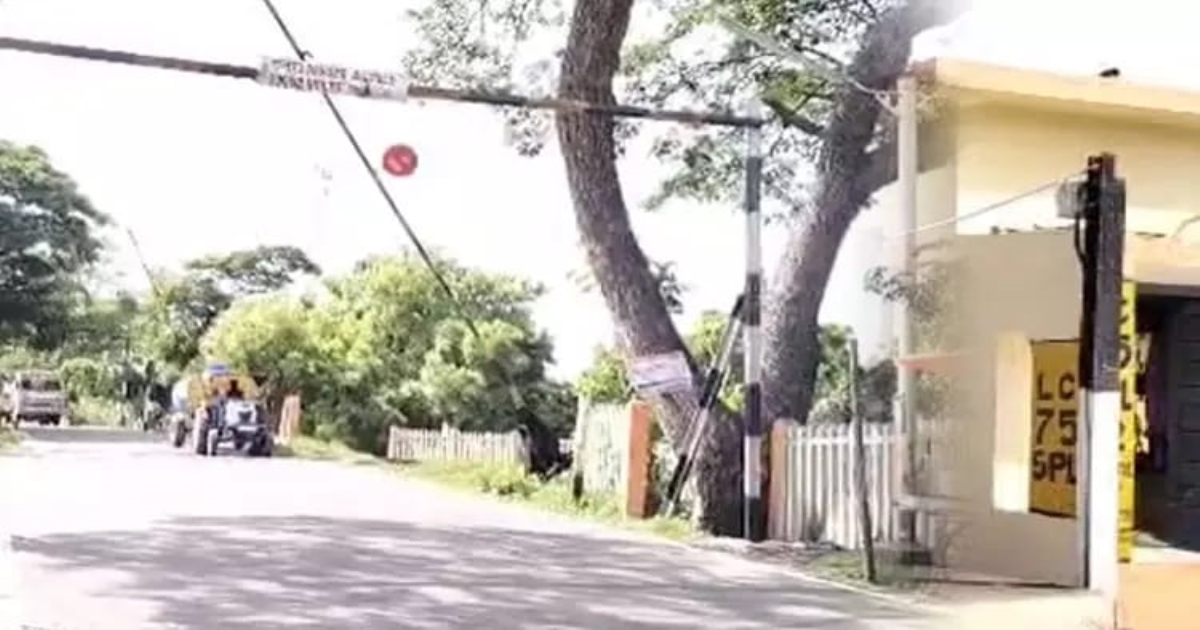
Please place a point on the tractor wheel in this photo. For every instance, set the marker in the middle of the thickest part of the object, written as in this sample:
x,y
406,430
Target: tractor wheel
x,y
179,433
260,447
200,436
213,438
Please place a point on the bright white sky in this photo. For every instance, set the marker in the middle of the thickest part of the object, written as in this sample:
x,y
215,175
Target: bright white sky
x,y
195,164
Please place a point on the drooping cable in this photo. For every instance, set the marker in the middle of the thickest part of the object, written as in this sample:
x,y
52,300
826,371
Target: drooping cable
x,y
426,258
988,209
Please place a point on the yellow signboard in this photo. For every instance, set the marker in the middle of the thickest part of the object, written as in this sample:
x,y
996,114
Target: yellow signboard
x,y
1129,420
1055,427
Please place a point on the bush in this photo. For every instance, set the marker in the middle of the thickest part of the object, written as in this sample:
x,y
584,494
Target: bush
x,y
506,481
88,378
8,438
89,410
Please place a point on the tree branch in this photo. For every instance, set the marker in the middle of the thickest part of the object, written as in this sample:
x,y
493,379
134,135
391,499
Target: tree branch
x,y
851,159
790,118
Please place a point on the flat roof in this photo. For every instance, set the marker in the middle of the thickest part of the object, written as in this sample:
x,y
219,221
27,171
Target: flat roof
x,y
1113,97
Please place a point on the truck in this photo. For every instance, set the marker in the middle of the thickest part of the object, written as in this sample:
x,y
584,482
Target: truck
x,y
34,396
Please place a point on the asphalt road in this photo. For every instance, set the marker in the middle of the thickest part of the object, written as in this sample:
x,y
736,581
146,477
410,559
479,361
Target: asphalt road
x,y
103,530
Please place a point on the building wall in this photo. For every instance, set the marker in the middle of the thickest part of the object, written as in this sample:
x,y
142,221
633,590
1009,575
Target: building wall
x,y
1004,151
1025,286
1015,288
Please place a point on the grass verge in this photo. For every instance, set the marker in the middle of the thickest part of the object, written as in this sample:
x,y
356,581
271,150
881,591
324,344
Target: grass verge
x,y
847,566
507,482
97,412
8,438
311,448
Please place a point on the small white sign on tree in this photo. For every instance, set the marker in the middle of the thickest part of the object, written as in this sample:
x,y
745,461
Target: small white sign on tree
x,y
661,373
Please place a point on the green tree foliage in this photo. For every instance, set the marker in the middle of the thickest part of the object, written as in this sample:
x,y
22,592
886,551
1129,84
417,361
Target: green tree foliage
x,y
185,305
876,384
605,380
86,378
248,272
177,315
272,340
385,346
101,328
930,293
48,239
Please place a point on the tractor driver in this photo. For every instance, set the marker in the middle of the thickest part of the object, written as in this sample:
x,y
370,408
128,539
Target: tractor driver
x,y
235,391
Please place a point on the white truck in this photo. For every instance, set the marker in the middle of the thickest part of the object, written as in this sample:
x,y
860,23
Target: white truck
x,y
34,396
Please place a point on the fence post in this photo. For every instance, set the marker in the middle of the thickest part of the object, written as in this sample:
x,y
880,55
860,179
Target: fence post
x,y
781,478
637,494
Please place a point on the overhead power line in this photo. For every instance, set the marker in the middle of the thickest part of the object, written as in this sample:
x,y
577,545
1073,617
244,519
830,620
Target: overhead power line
x,y
420,92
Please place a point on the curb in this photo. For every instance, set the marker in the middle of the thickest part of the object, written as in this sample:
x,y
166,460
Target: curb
x,y
723,547
740,549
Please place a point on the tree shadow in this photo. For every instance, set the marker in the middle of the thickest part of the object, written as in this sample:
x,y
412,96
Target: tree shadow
x,y
309,572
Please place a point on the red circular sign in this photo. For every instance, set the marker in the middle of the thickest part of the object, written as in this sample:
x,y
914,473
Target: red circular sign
x,y
400,160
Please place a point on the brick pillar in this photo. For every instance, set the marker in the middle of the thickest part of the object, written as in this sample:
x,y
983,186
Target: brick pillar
x,y
637,489
780,486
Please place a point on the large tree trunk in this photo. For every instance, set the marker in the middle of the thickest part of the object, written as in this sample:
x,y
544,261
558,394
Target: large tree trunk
x,y
621,269
849,172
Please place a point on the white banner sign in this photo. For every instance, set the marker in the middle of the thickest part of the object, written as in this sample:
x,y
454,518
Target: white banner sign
x,y
308,76
661,373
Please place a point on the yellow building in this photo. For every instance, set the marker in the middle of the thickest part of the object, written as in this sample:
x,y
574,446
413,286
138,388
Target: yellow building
x,y
1015,131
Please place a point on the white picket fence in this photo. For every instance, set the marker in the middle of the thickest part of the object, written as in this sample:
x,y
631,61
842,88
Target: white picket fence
x,y
819,501
819,495
450,444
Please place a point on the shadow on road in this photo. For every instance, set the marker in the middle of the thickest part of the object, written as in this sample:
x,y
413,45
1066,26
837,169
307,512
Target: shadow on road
x,y
247,572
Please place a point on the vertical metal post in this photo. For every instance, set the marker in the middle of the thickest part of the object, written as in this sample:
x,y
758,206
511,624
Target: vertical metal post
x,y
862,491
907,174
754,510
1103,273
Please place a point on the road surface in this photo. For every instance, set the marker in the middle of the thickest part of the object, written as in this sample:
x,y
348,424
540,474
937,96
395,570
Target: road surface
x,y
106,532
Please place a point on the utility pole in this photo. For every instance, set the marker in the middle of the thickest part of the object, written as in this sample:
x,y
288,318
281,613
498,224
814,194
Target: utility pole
x,y
1102,269
907,173
755,514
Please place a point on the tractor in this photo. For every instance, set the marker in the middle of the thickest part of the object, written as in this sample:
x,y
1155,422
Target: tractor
x,y
219,408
